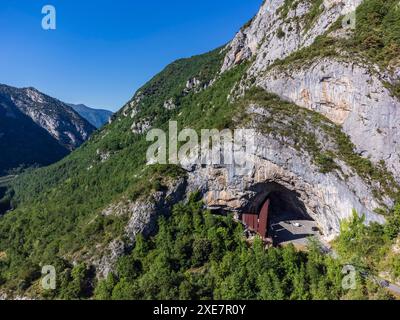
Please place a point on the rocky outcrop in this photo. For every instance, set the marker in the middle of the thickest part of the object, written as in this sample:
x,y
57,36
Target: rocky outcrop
x,y
170,104
142,216
5,296
192,84
280,29
141,126
103,155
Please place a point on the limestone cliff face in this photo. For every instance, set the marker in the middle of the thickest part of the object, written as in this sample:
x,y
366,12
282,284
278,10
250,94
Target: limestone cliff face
x,y
350,92
277,31
327,197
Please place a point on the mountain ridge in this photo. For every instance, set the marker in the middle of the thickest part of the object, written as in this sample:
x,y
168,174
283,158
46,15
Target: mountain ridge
x,y
39,107
37,115
97,117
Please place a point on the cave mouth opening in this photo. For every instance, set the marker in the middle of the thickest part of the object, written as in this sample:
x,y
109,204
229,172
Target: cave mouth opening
x,y
279,216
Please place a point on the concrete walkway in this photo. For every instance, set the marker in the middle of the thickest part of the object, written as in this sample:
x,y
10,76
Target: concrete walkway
x,y
287,228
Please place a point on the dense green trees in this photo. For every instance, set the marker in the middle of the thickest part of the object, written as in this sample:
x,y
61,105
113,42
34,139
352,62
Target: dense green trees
x,y
197,255
378,30
370,248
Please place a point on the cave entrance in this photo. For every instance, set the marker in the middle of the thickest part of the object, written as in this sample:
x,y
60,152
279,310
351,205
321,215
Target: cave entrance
x,y
279,216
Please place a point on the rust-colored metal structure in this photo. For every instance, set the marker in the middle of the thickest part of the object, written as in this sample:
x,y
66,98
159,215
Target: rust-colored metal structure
x,y
257,217
263,220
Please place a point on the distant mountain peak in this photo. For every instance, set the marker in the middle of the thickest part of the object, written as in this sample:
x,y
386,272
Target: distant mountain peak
x,y
97,117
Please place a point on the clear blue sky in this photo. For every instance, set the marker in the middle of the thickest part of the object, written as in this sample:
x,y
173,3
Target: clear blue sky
x,y
103,50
